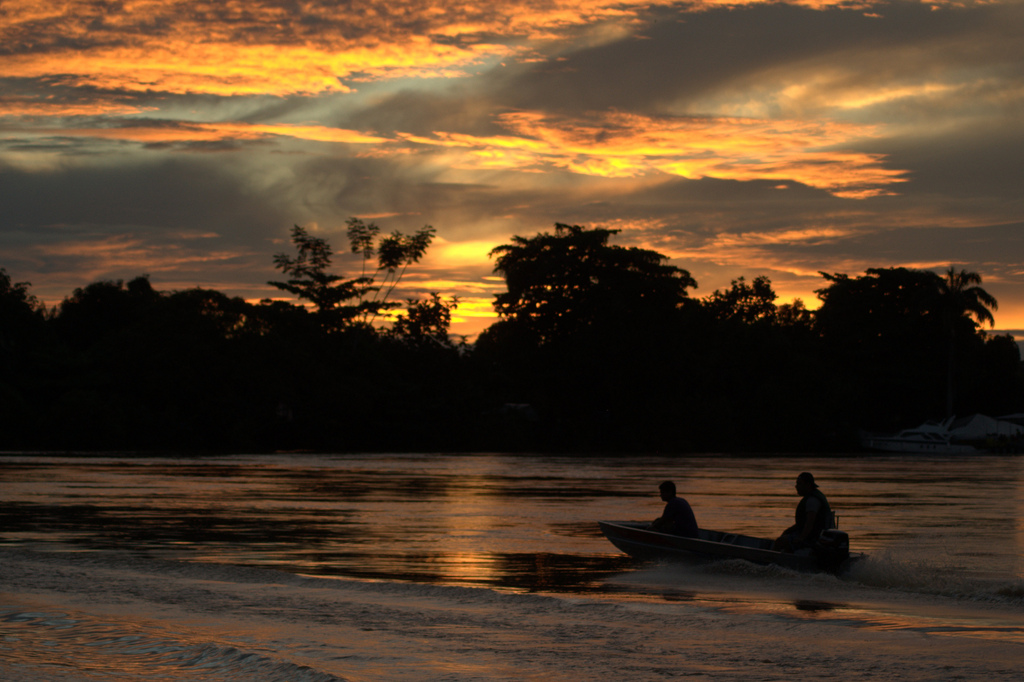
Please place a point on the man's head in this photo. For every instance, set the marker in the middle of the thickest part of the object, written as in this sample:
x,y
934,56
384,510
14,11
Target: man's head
x,y
805,483
668,490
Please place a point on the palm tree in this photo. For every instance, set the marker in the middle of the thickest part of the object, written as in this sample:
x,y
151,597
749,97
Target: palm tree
x,y
963,298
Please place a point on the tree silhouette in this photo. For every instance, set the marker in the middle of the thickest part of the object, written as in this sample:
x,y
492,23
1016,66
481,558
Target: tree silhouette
x,y
361,238
311,280
587,333
23,321
426,322
599,349
19,311
328,292
882,334
963,302
573,280
964,297
395,253
102,310
747,303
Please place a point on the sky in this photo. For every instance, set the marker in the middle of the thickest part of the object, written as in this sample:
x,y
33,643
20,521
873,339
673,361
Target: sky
x,y
183,139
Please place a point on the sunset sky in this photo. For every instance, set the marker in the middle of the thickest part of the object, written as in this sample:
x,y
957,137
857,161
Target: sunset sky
x,y
182,139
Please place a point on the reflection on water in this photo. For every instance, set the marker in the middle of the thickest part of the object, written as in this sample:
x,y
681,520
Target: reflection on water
x,y
523,523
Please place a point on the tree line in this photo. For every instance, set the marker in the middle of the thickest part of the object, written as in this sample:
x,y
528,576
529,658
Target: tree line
x,y
597,348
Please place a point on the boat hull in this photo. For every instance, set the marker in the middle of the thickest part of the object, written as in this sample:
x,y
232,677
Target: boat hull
x,y
917,446
634,539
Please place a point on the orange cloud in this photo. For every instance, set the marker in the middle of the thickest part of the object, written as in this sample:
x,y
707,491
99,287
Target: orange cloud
x,y
228,69
232,47
127,253
38,108
629,145
805,236
215,132
227,48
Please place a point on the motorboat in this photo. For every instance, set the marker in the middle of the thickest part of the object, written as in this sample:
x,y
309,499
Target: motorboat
x,y
930,437
831,553
975,434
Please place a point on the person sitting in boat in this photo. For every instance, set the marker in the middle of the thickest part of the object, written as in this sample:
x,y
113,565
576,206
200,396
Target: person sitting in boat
x,y
678,518
813,515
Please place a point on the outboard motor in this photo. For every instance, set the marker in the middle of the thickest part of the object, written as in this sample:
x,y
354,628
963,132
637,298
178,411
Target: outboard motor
x,y
831,549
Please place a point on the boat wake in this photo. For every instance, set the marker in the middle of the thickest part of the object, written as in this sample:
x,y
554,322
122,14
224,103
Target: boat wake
x,y
926,573
102,616
900,570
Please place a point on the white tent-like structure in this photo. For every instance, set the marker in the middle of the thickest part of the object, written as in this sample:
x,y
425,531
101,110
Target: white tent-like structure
x,y
979,427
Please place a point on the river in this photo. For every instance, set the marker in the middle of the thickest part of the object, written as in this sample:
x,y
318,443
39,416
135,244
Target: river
x,y
82,536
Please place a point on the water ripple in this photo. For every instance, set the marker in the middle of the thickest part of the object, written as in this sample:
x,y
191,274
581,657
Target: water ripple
x,y
37,643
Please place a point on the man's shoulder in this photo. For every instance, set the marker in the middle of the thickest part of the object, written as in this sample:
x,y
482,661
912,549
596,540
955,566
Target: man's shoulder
x,y
678,503
815,501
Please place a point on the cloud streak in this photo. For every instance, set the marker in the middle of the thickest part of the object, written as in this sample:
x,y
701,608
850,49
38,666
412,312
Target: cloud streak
x,y
626,145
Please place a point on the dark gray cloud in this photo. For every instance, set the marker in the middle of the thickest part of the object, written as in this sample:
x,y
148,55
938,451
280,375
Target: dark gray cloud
x,y
683,56
978,164
185,221
181,193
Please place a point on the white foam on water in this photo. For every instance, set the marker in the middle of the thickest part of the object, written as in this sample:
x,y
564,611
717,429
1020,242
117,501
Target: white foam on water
x,y
924,571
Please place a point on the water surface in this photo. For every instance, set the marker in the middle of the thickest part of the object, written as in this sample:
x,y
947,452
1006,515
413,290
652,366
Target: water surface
x,y
943,534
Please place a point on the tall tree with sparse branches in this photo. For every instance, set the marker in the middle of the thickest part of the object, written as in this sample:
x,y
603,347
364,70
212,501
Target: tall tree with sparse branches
x,y
310,279
395,253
